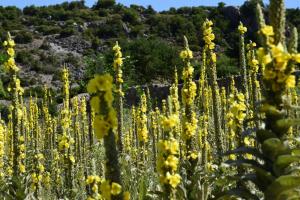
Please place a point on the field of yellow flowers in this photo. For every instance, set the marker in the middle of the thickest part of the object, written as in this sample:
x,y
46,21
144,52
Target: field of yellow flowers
x,y
204,142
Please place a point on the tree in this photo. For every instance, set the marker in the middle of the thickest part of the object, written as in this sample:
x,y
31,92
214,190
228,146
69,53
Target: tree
x,y
104,4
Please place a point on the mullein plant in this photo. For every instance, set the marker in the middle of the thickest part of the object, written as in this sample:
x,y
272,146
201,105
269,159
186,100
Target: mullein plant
x,y
276,170
167,160
189,121
142,128
253,70
105,125
16,168
243,66
66,141
209,37
118,63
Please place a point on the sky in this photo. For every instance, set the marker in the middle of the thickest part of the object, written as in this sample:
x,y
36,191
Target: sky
x,y
156,4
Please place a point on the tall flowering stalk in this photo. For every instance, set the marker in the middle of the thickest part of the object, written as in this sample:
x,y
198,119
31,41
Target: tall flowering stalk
x,y
212,71
277,20
142,128
189,125
253,69
16,91
242,30
105,124
118,62
167,160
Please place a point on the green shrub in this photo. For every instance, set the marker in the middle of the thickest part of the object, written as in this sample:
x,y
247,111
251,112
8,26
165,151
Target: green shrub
x,y
67,32
24,57
23,37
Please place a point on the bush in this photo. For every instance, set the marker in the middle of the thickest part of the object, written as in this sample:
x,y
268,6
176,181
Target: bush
x,y
104,4
24,57
24,37
67,32
48,30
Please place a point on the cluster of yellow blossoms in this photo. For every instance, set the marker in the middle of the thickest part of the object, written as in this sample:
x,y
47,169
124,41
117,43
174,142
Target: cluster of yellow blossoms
x,y
22,155
101,87
107,189
235,117
242,29
167,162
278,63
118,62
10,64
37,176
93,182
208,35
252,61
142,120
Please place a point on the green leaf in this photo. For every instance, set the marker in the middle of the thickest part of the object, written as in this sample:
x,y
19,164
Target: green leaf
x,y
281,186
246,150
237,192
263,175
263,135
284,161
274,147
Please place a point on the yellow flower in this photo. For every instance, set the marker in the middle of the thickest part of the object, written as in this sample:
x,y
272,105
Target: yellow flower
x,y
186,54
214,57
89,180
100,83
105,189
170,122
41,168
11,43
267,31
22,168
72,159
174,147
95,104
11,52
172,162
296,57
193,156
126,196
101,127
242,29
95,188
173,180
116,188
290,81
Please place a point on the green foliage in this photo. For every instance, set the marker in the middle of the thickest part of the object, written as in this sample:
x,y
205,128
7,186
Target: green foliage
x,y
69,31
24,37
153,57
226,66
104,4
24,57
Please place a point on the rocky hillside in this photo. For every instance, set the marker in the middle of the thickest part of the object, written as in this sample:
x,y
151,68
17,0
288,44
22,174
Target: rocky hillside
x,y
73,35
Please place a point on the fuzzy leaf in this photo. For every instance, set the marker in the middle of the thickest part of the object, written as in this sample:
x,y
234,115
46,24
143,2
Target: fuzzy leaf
x,y
282,185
